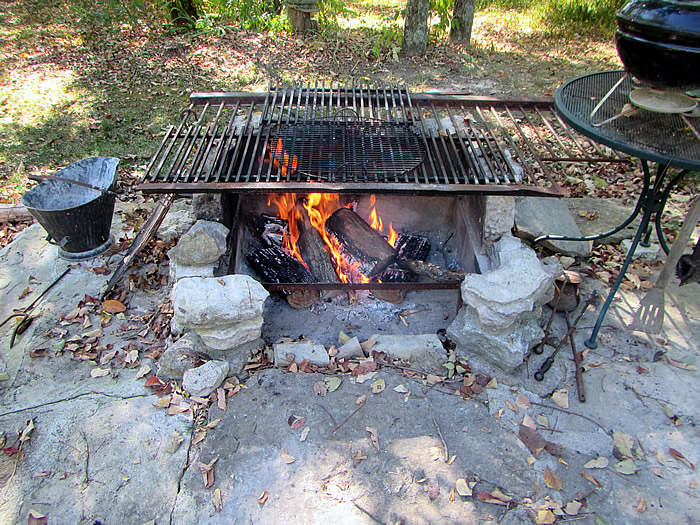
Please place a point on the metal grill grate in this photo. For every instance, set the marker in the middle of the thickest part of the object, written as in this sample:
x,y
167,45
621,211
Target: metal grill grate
x,y
366,138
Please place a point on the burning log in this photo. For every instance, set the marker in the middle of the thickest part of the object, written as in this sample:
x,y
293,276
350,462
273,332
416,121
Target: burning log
x,y
270,230
408,246
359,243
431,271
311,247
276,266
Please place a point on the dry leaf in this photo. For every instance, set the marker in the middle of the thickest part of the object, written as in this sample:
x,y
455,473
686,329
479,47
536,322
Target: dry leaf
x,y
552,480
113,307
378,386
572,508
623,443
463,488
561,398
626,467
680,457
207,470
590,478
373,436
529,422
177,409
532,439
216,499
597,463
545,517
493,383
522,401
530,461
37,518
361,399
434,379
451,496
358,456
99,372
221,398
660,458
296,422
287,458
642,507
434,491
679,364
199,436
304,434
657,471
401,389
487,497
145,369
332,383
263,497
320,388
511,406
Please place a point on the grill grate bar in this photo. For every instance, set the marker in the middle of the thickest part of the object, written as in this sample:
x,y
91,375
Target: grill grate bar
x,y
230,142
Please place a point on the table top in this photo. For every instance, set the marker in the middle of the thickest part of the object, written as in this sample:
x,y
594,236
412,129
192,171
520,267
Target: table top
x,y
657,137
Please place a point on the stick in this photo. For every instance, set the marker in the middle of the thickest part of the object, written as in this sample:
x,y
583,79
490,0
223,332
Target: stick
x,y
580,388
347,418
554,407
444,444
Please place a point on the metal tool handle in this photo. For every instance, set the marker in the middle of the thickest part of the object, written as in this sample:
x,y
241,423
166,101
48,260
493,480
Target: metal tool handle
x,y
70,181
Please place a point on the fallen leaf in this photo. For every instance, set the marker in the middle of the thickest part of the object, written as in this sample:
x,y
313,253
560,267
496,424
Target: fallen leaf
x,y
529,422
679,364
590,478
657,472
545,517
332,383
623,443
680,457
37,518
364,367
213,423
451,496
660,458
626,467
434,379
463,488
163,402
599,462
401,389
542,421
434,491
642,507
207,471
263,497
112,306
532,439
358,456
493,383
522,401
378,386
552,480
221,399
531,461
320,388
554,450
199,436
373,436
487,497
99,372
153,381
216,500
29,427
296,422
572,508
24,293
512,406
145,369
304,434
361,399
287,458
561,398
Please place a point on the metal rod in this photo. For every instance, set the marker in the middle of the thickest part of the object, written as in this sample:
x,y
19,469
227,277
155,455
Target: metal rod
x,y
580,387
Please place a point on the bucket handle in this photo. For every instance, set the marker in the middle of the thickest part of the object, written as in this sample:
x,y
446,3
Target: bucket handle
x,y
70,181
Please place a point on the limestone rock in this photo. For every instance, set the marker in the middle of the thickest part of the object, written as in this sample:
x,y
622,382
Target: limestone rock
x,y
350,349
315,353
208,206
203,380
499,216
180,271
611,213
224,311
178,357
424,351
177,221
535,216
204,243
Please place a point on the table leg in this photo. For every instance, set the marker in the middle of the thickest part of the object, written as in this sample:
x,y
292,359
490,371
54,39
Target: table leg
x,y
654,203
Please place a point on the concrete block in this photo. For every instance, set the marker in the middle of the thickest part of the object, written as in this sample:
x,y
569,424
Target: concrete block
x,y
315,353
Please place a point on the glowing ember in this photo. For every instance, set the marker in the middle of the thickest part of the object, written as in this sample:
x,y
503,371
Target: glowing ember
x,y
320,206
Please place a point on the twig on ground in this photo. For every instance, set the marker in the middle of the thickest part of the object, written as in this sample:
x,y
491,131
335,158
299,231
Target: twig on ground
x,y
329,414
554,407
444,443
86,481
368,513
347,418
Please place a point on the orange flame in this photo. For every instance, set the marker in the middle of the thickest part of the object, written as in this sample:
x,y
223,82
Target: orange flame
x,y
280,159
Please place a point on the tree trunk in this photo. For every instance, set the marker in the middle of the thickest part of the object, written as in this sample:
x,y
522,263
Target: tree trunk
x,y
462,22
415,32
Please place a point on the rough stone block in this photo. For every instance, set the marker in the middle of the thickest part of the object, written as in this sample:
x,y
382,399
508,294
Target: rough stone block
x,y
315,353
204,243
535,216
208,206
177,221
520,284
180,271
424,351
499,216
178,356
203,380
350,349
229,336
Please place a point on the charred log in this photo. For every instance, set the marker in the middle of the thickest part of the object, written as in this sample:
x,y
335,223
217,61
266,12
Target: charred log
x,y
311,247
431,271
268,229
359,243
276,266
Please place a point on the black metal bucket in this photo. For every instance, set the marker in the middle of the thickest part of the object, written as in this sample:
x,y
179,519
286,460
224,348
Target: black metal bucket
x,y
77,215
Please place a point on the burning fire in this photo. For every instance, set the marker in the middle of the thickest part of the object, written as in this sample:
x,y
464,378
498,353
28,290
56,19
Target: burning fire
x,y
318,207
281,159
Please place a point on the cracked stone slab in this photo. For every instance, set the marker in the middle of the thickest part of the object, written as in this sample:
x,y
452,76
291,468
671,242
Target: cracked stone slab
x,y
327,474
95,459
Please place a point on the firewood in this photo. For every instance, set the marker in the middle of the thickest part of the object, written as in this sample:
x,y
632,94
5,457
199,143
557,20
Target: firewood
x,y
277,266
359,243
268,229
10,213
311,247
431,271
